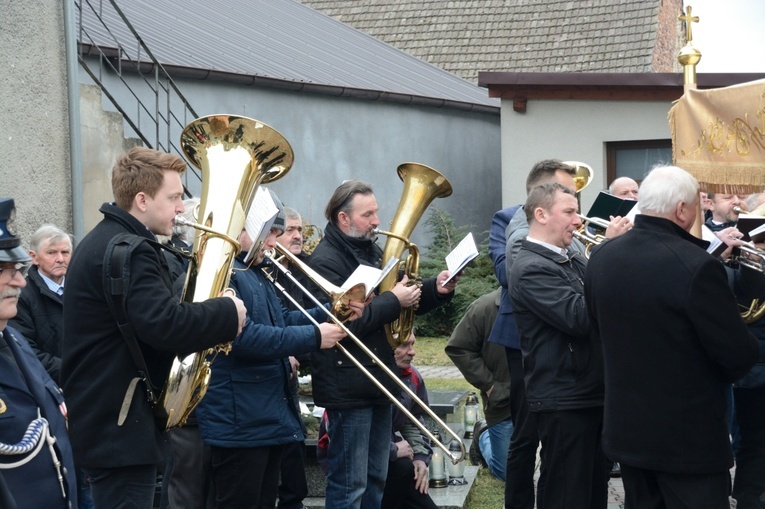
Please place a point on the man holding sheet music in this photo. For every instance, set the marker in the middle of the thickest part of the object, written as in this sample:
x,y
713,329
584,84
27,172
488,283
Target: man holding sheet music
x,y
748,392
248,416
359,414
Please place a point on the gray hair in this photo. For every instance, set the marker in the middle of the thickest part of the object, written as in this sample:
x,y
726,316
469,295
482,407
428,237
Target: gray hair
x,y
543,196
665,187
187,233
291,213
48,232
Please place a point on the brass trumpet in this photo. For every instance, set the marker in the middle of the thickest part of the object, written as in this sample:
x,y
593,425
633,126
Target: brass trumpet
x,y
332,291
588,238
753,258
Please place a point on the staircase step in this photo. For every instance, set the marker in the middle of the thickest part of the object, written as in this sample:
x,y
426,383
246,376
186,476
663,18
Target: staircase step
x,y
451,497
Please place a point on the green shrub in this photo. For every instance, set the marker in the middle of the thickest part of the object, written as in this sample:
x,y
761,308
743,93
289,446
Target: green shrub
x,y
477,278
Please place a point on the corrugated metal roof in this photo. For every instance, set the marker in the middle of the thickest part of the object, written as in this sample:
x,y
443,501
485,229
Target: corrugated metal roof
x,y
280,40
468,36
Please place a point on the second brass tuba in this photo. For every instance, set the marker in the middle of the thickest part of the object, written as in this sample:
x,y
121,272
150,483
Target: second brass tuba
x,y
235,155
422,185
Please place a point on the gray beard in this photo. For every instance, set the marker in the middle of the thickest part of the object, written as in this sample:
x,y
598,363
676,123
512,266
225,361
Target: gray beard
x,y
358,234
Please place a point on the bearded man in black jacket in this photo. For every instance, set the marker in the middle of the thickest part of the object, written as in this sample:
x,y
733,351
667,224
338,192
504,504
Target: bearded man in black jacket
x,y
115,435
359,414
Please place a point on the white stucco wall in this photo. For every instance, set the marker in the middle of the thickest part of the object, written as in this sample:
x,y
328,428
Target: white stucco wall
x,y
572,131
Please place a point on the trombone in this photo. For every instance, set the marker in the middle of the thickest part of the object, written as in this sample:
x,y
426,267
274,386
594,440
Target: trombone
x,y
337,295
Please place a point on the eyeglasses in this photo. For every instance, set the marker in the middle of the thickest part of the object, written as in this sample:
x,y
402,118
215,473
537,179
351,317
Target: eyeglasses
x,y
14,268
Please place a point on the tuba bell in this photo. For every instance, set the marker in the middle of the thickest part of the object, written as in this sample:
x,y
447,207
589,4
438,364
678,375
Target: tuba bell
x,y
235,155
422,185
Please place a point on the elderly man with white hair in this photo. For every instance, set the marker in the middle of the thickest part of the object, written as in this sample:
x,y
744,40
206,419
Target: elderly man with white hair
x,y
40,316
673,341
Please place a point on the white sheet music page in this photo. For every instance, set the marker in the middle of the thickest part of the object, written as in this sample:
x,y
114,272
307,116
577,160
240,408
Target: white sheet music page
x,y
716,246
460,256
369,276
259,220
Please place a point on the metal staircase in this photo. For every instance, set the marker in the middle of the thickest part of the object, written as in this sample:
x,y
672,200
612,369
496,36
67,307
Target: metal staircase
x,y
108,49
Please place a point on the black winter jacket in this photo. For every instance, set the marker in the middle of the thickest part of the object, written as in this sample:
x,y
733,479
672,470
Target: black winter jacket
x,y
563,366
40,319
673,341
337,382
96,366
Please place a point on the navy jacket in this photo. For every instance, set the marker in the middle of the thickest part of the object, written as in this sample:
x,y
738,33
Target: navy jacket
x,y
505,330
249,402
23,390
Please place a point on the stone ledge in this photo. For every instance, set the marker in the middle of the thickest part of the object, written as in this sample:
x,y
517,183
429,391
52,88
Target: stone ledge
x,y
451,497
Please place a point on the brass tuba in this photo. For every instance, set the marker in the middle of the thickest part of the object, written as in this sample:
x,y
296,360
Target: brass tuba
x,y
236,155
422,185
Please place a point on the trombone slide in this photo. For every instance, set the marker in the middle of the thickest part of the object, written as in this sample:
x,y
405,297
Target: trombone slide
x,y
395,400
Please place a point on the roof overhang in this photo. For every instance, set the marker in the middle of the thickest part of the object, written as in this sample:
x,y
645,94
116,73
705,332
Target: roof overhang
x,y
524,86
147,67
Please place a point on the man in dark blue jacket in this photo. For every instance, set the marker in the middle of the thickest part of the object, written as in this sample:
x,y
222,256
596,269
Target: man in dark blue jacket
x,y
508,229
38,469
248,414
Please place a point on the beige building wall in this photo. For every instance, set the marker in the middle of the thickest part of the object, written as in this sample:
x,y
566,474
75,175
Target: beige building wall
x,y
572,130
103,140
34,115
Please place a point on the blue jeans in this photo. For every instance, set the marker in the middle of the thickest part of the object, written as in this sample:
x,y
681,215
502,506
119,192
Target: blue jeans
x,y
358,454
494,443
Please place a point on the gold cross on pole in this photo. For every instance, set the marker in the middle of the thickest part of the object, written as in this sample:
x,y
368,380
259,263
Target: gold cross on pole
x,y
689,20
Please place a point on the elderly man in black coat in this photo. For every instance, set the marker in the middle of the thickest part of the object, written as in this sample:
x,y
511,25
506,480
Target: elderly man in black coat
x,y
115,435
673,341
40,316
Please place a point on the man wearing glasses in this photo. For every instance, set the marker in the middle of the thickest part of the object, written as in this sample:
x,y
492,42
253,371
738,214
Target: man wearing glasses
x,y
37,468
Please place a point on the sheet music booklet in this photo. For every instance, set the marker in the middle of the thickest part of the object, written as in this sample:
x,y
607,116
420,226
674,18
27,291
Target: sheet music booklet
x,y
752,226
259,220
716,246
606,204
460,256
369,276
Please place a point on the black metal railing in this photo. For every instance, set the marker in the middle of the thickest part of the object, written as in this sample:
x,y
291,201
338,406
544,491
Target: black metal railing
x,y
109,49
